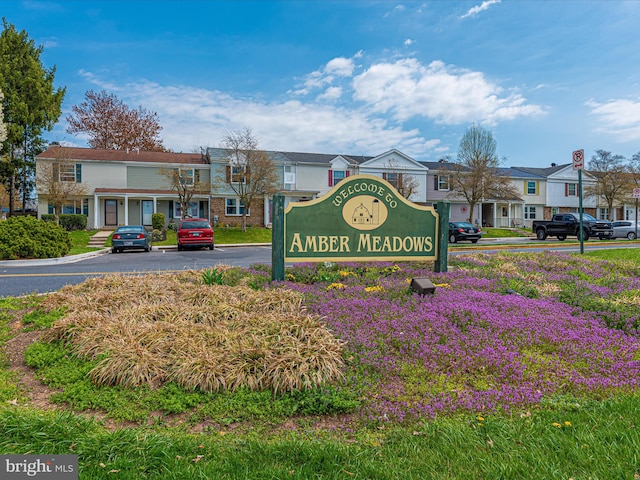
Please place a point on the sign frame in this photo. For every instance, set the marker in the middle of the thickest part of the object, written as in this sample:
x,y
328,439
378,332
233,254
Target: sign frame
x,y
362,218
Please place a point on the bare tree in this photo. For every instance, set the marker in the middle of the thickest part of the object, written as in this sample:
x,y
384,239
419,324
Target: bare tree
x,y
405,184
476,175
59,181
613,182
249,172
112,125
186,182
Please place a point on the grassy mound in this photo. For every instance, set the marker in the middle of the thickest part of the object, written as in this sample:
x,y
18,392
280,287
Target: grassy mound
x,y
170,328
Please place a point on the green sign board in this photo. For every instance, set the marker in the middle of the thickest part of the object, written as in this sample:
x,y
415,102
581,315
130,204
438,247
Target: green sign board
x,y
362,218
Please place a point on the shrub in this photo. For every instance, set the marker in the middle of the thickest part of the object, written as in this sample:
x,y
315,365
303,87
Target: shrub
x,y
157,221
28,237
69,221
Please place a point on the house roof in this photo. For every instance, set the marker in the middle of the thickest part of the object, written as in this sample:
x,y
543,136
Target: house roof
x,y
76,153
543,172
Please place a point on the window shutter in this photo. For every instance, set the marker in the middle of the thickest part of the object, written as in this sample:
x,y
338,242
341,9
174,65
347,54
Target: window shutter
x,y
228,173
196,176
346,174
78,173
170,208
247,174
435,182
399,181
384,175
56,172
331,178
566,189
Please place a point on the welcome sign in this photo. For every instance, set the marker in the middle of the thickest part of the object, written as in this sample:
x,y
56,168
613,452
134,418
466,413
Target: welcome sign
x,y
362,218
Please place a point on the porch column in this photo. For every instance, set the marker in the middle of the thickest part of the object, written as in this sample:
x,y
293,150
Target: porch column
x,y
126,209
266,213
96,211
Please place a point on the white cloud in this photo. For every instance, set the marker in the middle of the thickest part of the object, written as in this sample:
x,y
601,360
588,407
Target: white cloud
x,y
447,95
620,118
408,42
340,66
472,12
332,93
337,67
193,117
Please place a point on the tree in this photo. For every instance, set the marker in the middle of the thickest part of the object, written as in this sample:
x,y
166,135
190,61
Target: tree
x,y
30,104
112,125
613,181
475,175
186,182
3,127
58,181
249,172
405,184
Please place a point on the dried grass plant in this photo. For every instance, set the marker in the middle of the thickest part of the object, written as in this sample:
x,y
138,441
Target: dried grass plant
x,y
147,330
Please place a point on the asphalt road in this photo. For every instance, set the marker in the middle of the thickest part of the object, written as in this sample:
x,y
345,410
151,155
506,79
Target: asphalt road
x,y
40,276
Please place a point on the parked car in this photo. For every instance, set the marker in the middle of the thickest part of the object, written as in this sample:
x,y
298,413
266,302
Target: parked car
x,y
625,229
131,237
195,232
464,231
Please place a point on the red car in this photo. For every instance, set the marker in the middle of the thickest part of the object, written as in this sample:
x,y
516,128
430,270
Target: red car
x,y
195,232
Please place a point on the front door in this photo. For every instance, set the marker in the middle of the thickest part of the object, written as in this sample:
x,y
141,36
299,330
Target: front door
x,y
110,213
147,212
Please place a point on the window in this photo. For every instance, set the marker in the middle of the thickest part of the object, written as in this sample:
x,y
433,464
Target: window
x,y
531,187
441,182
529,213
336,175
191,212
570,190
603,213
235,206
67,172
186,176
237,173
78,207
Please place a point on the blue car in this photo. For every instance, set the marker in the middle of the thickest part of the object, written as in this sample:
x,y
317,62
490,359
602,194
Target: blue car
x,y
131,237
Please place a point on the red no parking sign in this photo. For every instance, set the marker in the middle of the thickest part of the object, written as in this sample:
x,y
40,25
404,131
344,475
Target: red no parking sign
x,y
578,160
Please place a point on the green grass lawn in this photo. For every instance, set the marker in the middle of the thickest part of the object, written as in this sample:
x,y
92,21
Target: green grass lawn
x,y
490,232
228,235
80,242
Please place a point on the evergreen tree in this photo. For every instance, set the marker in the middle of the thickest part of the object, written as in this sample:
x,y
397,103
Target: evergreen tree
x,y
30,105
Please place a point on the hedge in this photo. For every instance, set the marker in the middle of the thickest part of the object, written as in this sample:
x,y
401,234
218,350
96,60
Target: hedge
x,y
68,221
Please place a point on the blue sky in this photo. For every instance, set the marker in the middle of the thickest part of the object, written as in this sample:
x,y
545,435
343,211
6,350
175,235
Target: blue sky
x,y
356,77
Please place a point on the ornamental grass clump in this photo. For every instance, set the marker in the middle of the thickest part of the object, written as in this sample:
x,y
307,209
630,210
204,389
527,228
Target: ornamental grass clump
x,y
171,328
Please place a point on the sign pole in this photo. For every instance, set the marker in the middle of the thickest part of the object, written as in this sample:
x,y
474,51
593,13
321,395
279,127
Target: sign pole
x,y
443,237
636,195
578,164
277,238
580,208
